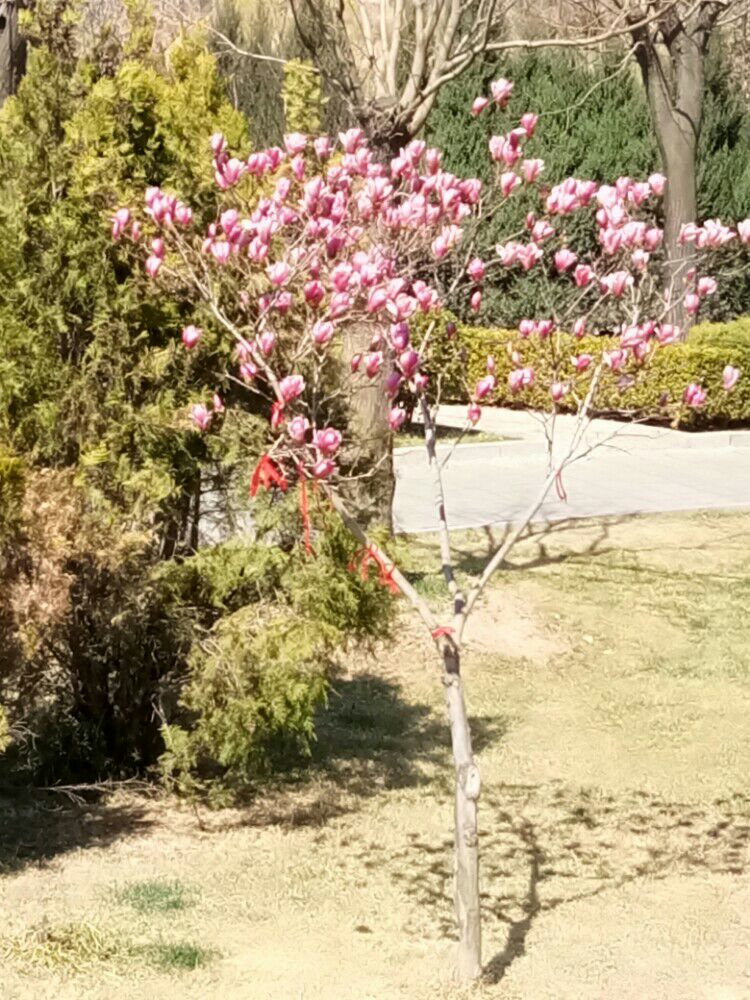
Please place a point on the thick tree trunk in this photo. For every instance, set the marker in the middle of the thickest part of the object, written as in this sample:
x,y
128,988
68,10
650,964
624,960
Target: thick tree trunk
x,y
12,50
680,206
466,866
370,452
672,67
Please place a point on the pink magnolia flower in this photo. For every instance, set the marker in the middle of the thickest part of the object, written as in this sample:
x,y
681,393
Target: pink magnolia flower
x,y
183,215
324,468
409,362
476,269
743,230
480,103
581,362
328,441
557,390
297,428
421,382
218,403
191,335
729,377
267,342
706,286
377,299
218,143
529,255
135,231
322,332
474,413
668,333
544,327
583,275
322,147
657,183
692,303
352,139
399,336
278,273
152,265
531,169
501,91
291,387
373,363
221,251
565,259
396,417
475,302
201,416
528,123
314,292
694,396
119,222
157,248
248,371
508,183
393,384
295,142
616,283
526,328
615,359
521,378
485,386
579,327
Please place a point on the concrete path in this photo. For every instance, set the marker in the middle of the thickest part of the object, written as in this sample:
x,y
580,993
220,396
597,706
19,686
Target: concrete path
x,y
640,469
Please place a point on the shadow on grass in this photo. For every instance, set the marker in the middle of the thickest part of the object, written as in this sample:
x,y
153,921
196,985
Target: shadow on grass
x,y
370,740
35,828
546,846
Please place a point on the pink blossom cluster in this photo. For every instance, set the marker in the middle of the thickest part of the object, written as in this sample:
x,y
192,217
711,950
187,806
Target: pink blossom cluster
x,y
318,236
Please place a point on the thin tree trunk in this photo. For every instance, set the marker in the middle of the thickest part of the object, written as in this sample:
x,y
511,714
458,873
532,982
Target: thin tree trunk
x,y
12,50
466,866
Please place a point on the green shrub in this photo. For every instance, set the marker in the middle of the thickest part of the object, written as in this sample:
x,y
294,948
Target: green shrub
x,y
257,675
734,334
658,392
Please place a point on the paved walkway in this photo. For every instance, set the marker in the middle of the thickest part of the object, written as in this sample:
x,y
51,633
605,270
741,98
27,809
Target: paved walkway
x,y
641,469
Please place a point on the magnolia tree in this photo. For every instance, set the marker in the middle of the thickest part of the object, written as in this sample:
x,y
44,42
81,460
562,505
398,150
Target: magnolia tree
x,y
319,238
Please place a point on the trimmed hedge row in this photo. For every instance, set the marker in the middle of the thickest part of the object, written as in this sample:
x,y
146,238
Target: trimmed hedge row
x,y
463,360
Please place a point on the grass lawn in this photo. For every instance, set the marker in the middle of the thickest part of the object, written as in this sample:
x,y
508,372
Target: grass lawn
x,y
413,437
608,677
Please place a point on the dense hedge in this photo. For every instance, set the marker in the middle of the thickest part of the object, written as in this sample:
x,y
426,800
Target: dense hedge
x,y
702,360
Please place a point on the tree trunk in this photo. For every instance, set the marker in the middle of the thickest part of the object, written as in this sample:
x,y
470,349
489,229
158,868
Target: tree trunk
x,y
371,447
12,50
678,151
466,865
672,68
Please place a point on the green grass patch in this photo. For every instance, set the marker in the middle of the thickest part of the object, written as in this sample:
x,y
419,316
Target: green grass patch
x,y
177,956
156,896
76,947
413,437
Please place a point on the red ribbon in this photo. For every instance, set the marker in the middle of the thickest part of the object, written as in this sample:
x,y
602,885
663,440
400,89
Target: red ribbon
x,y
441,631
267,474
371,555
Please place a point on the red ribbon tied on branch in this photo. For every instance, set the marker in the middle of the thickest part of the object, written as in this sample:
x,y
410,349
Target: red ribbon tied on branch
x,y
267,474
442,630
364,557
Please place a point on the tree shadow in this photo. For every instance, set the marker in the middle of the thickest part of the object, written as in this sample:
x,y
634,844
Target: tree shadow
x,y
37,827
545,846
